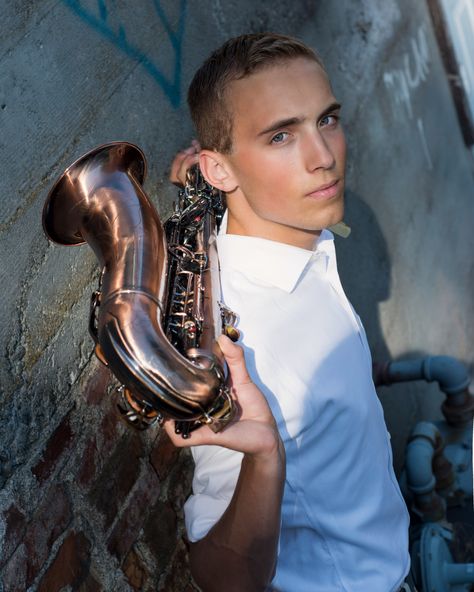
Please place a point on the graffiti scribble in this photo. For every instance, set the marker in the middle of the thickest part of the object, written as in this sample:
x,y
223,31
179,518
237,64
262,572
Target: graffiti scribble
x,y
402,81
100,22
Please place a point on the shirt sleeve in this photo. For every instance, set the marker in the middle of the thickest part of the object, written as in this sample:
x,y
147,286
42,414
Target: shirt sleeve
x,y
216,473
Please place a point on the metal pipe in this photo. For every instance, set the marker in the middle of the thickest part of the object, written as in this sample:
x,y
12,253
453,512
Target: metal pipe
x,y
450,374
459,573
424,443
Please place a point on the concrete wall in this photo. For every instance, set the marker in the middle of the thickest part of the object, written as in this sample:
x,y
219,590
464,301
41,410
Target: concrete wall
x,y
77,73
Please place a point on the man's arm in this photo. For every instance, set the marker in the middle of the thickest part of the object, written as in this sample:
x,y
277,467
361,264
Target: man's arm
x,y
239,552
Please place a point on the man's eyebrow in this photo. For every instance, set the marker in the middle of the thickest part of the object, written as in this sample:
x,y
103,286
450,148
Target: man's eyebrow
x,y
281,123
273,127
333,107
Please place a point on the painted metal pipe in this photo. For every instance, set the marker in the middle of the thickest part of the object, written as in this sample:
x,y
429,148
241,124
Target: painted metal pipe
x,y
450,374
437,569
424,442
459,573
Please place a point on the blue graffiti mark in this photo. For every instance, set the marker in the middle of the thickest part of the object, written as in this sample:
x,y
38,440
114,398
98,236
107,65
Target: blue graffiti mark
x,y
171,88
102,9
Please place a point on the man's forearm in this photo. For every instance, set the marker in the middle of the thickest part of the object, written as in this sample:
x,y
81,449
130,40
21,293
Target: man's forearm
x,y
239,552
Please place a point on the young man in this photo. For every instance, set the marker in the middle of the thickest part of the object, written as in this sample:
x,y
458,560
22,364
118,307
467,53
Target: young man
x,y
299,494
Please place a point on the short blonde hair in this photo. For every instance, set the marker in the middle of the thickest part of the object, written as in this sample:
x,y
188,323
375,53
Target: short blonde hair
x,y
238,58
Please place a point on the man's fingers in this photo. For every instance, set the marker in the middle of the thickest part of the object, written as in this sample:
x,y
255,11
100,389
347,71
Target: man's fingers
x,y
234,356
168,426
183,161
178,159
204,435
180,165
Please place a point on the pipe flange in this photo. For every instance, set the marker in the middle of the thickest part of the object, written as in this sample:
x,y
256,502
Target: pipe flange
x,y
381,374
434,553
439,573
431,511
459,414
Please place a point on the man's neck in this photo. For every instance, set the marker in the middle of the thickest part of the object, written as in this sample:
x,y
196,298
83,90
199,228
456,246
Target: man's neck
x,y
297,237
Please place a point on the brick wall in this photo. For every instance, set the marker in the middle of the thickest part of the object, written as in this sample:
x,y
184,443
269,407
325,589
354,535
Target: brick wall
x,y
98,506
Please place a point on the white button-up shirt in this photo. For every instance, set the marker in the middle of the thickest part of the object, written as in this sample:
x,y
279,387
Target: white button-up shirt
x,y
344,521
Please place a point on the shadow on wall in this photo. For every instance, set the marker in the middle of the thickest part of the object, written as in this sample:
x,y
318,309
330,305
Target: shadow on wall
x,y
365,268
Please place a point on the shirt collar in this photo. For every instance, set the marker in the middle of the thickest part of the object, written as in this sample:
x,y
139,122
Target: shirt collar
x,y
271,262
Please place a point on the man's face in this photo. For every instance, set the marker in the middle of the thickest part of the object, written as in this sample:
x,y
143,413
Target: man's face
x,y
288,153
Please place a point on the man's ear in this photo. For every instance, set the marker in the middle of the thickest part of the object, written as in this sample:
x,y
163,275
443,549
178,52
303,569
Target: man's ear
x,y
217,171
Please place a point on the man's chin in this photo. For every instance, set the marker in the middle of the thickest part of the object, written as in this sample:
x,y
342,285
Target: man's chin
x,y
335,216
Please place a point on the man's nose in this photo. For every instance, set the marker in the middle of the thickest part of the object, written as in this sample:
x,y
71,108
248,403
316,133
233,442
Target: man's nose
x,y
318,152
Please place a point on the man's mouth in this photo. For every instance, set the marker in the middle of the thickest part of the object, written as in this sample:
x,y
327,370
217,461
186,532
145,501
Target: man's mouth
x,y
325,191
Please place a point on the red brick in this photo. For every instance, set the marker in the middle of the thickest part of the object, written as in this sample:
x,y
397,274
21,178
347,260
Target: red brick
x,y
70,566
180,479
117,477
134,570
49,521
96,388
179,576
15,572
160,533
55,447
15,525
109,428
127,528
164,455
98,448
87,464
90,584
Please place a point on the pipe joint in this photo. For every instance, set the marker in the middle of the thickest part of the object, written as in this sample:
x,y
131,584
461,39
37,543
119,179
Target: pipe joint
x,y
425,429
451,374
459,412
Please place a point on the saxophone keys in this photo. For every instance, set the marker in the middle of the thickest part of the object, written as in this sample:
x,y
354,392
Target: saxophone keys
x,y
183,428
229,318
232,332
135,413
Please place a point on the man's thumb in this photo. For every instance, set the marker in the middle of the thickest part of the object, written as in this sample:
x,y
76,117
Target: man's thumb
x,y
234,356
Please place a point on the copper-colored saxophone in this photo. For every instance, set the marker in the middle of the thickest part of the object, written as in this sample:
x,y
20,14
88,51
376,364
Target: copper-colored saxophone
x,y
156,316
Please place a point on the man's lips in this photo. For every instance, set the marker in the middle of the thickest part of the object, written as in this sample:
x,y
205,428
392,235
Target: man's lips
x,y
325,191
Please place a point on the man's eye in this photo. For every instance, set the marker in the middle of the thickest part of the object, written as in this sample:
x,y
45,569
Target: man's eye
x,y
329,120
279,138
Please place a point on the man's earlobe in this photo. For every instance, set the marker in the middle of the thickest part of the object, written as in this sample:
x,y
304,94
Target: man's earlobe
x,y
216,171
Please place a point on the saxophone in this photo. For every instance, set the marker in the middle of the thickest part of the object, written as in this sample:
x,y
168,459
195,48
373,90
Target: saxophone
x,y
156,315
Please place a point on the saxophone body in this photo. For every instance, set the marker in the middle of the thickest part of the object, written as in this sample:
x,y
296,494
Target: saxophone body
x,y
156,315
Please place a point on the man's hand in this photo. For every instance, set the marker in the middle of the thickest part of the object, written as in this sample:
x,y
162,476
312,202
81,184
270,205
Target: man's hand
x,y
182,162
254,430
239,552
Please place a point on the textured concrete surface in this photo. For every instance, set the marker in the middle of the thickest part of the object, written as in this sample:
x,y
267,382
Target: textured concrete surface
x,y
77,73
